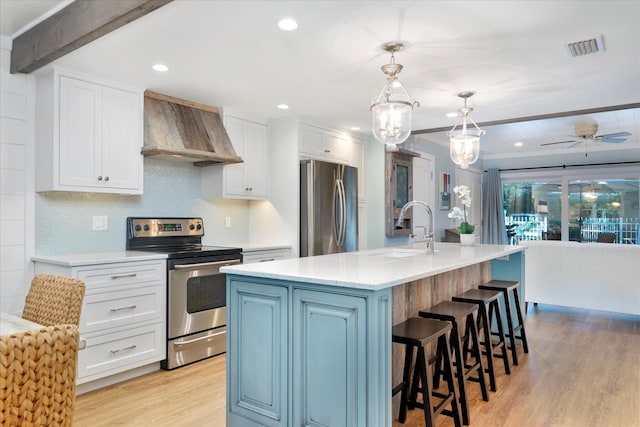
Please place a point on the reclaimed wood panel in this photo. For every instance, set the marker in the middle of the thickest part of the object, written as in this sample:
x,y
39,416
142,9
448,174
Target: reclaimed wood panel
x,y
174,127
410,298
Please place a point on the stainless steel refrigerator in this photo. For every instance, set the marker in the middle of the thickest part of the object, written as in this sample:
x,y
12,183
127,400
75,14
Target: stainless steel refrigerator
x,y
328,208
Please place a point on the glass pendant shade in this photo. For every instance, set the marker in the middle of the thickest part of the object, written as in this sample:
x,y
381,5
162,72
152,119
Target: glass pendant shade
x,y
391,119
464,143
391,110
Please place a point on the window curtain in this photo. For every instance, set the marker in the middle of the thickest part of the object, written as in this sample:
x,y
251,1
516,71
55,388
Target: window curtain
x,y
493,230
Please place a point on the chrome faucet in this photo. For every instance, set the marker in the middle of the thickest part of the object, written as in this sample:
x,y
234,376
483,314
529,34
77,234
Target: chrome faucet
x,y
428,233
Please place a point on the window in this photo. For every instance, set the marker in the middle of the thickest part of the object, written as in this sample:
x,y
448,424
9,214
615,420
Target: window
x,y
572,207
603,206
534,210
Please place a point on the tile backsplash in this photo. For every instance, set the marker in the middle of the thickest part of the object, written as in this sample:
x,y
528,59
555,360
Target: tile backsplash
x,y
63,220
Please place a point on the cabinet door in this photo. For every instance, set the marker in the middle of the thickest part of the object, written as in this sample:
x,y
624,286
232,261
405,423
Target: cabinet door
x,y
234,173
255,158
337,147
257,354
121,139
329,387
311,142
247,180
80,133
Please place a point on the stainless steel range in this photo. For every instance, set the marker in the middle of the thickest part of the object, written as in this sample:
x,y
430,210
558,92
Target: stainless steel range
x,y
196,289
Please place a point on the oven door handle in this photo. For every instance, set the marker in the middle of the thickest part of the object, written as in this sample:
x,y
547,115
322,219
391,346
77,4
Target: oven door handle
x,y
206,264
206,337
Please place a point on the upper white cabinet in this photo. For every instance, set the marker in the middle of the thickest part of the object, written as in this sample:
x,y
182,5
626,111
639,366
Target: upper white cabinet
x,y
323,144
88,134
247,180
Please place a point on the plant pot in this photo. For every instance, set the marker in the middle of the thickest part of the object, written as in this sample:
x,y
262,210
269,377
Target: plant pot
x,y
467,239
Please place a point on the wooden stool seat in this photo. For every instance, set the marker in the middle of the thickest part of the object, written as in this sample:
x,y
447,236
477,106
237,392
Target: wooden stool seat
x,y
507,286
488,308
462,317
418,332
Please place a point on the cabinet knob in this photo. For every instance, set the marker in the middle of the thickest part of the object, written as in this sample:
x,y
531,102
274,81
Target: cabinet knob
x,y
106,178
99,178
327,151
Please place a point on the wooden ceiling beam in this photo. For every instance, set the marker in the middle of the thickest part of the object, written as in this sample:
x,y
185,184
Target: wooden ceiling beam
x,y
538,117
81,22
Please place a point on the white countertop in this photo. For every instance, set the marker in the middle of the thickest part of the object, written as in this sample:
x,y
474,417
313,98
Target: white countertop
x,y
377,268
75,260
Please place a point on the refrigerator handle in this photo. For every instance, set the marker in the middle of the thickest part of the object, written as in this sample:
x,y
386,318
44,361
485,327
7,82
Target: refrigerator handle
x,y
337,212
342,210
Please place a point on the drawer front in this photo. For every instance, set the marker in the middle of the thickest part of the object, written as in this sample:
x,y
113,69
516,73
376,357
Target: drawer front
x,y
113,353
124,274
264,256
120,308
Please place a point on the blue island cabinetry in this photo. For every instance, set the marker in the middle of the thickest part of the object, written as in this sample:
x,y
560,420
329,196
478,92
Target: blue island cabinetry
x,y
309,339
335,339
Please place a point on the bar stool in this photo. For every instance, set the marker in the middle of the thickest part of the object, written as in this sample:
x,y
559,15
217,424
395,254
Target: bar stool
x,y
488,308
418,332
462,316
505,286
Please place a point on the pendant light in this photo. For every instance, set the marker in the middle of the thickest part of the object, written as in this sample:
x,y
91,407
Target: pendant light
x,y
391,110
464,147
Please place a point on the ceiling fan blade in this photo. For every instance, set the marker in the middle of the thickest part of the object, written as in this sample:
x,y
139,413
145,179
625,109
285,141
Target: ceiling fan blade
x,y
575,143
558,142
613,135
614,140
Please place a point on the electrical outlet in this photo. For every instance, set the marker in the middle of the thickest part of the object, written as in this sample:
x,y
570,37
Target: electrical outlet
x,y
227,222
100,222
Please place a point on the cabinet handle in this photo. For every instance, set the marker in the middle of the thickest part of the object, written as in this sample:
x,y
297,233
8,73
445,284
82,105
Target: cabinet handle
x,y
122,276
131,307
265,260
131,347
100,178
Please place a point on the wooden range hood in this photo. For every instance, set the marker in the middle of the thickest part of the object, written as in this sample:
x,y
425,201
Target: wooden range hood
x,y
182,130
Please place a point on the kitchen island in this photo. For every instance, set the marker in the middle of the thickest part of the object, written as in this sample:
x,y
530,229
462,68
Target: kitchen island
x,y
309,339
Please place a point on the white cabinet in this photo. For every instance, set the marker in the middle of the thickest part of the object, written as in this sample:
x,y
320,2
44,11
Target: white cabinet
x,y
263,255
88,135
123,315
323,144
247,180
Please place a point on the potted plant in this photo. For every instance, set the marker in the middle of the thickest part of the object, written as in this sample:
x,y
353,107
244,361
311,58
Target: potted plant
x,y
457,214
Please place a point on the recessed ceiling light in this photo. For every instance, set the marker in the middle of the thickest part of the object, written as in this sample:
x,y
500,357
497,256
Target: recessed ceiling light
x,y
160,67
452,114
283,107
518,144
355,128
287,24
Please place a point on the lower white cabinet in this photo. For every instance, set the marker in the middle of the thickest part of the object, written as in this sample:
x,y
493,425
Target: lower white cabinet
x,y
264,255
123,316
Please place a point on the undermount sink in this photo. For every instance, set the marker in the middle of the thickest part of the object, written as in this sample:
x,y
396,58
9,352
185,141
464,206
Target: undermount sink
x,y
398,252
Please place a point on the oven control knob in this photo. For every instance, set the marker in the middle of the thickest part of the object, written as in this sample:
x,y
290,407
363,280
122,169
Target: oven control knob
x,y
192,227
138,227
199,226
146,227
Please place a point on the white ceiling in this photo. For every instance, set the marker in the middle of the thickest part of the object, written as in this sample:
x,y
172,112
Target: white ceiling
x,y
511,53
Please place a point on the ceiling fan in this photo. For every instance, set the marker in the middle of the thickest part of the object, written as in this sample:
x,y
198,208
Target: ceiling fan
x,y
586,132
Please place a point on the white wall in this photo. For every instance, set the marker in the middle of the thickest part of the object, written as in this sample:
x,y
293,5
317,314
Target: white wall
x,y
16,183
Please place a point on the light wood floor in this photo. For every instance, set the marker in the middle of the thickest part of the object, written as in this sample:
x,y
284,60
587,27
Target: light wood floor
x,y
583,369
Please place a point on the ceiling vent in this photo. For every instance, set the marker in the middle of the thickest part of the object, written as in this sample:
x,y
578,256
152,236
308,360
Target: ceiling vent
x,y
586,47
